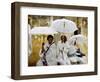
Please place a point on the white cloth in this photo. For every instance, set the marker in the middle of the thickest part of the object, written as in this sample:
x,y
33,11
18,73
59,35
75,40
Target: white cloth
x,y
81,42
29,41
62,50
50,55
83,60
73,56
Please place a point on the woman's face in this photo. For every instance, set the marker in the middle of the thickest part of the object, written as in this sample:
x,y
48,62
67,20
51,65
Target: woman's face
x,y
63,38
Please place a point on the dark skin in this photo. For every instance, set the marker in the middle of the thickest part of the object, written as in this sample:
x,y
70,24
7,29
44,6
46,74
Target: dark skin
x,y
50,40
63,39
42,48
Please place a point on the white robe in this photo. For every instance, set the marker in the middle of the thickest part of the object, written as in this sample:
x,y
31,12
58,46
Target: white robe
x,y
82,45
50,55
29,41
73,56
62,50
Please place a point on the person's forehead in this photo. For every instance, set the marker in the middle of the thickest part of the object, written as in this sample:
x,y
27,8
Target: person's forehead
x,y
50,38
63,36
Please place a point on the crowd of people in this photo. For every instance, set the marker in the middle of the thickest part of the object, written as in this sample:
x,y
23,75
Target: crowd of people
x,y
61,53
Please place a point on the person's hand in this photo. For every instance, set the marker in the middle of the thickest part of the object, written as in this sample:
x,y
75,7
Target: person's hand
x,y
42,51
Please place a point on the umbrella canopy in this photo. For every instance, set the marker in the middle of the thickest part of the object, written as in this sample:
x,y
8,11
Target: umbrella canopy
x,y
81,42
64,26
43,30
77,38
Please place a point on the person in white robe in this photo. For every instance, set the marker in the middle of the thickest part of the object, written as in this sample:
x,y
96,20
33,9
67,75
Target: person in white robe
x,y
29,40
62,50
48,53
76,54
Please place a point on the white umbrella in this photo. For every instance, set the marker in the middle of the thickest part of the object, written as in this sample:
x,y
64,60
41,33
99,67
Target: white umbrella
x,y
64,26
43,30
77,38
81,42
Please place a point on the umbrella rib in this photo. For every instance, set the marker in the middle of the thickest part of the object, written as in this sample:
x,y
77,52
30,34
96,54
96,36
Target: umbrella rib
x,y
64,24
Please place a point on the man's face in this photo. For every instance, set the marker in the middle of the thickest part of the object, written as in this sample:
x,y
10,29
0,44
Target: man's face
x,y
50,40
